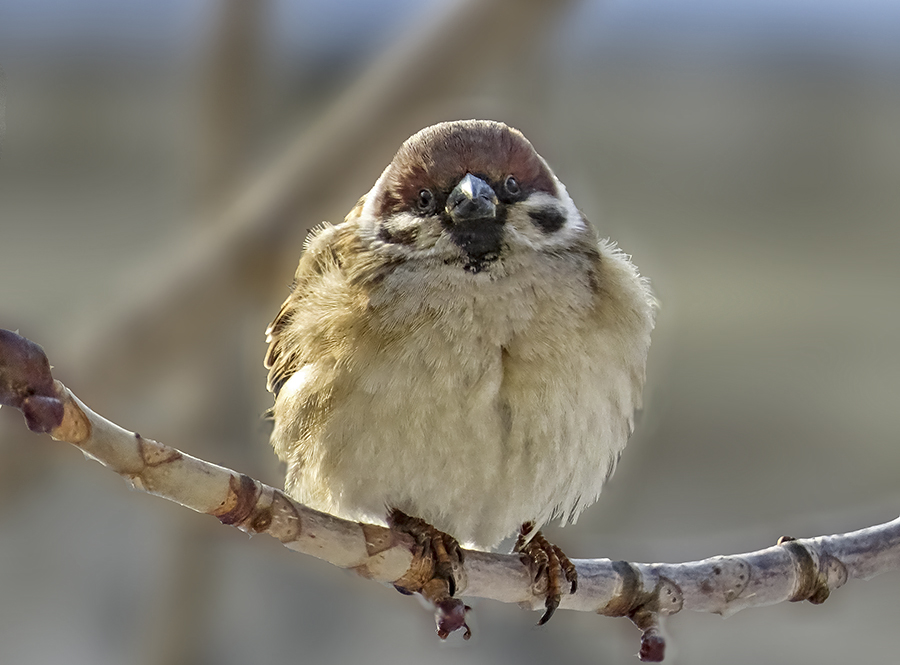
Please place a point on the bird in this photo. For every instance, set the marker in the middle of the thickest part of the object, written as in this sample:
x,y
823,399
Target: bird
x,y
462,358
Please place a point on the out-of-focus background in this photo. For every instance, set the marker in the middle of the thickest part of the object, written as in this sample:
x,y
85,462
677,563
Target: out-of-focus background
x,y
162,161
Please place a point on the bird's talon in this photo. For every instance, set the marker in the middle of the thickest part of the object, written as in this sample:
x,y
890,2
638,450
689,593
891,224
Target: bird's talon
x,y
571,575
444,570
549,564
437,581
550,605
442,548
457,550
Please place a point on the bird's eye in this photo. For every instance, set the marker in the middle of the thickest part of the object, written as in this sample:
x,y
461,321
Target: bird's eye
x,y
425,199
512,186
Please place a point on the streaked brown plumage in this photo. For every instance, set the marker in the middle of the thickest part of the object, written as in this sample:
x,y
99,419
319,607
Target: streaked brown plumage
x,y
462,348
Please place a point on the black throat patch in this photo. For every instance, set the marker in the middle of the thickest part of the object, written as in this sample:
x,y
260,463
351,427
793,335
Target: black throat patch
x,y
480,241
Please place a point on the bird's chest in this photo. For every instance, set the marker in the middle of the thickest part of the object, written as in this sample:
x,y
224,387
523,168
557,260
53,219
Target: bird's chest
x,y
470,397
459,341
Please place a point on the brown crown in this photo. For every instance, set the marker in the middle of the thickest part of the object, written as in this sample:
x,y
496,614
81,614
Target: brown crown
x,y
439,156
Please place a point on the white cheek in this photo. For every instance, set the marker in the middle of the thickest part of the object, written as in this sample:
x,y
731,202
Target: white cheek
x,y
369,224
522,228
403,223
574,221
368,210
368,227
368,230
429,240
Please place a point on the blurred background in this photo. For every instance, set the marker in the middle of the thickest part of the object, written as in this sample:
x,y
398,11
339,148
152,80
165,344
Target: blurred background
x,y
160,166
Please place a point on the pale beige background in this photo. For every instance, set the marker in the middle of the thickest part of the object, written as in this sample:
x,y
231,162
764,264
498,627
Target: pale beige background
x,y
748,158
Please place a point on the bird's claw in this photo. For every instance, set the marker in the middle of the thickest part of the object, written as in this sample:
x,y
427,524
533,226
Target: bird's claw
x,y
436,580
546,562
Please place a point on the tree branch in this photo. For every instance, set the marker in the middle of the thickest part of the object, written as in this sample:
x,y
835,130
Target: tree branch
x,y
793,570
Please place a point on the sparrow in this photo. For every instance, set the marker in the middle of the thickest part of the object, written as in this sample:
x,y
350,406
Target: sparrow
x,y
462,357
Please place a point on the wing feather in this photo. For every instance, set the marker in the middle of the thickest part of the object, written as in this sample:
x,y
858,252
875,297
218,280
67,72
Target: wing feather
x,y
287,351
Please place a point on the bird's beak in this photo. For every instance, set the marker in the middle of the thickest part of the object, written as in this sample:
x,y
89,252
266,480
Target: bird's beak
x,y
471,200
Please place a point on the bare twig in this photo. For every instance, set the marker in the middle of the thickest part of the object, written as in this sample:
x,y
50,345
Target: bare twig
x,y
794,570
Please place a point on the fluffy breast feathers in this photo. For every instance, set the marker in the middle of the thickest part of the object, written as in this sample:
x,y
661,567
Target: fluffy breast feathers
x,y
474,401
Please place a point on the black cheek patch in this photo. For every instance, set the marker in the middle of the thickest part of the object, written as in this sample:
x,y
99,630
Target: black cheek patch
x,y
548,220
398,236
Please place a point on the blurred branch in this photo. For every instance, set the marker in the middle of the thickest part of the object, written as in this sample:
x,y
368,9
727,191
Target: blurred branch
x,y
793,570
205,279
2,108
229,83
230,80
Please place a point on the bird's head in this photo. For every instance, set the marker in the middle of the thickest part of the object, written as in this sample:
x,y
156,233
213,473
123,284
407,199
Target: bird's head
x,y
471,194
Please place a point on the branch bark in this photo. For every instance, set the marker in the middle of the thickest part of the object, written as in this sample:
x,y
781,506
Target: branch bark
x,y
792,570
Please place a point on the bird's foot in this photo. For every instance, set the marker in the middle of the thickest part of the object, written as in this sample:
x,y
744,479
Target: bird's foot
x,y
546,562
433,573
